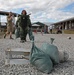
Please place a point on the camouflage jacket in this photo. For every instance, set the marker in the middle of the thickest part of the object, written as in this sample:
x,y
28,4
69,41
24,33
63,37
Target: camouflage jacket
x,y
19,24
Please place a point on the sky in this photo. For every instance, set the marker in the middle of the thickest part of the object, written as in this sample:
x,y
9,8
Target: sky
x,y
50,11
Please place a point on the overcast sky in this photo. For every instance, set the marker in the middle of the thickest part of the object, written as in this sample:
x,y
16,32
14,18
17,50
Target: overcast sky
x,y
41,10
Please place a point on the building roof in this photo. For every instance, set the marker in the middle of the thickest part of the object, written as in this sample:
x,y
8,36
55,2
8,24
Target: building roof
x,y
39,23
70,19
6,13
35,25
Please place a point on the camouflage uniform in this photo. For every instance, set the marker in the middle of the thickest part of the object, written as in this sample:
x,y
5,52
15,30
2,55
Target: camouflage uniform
x,y
23,27
9,25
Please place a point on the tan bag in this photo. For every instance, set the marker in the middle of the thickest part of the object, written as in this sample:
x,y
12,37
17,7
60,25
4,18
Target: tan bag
x,y
63,56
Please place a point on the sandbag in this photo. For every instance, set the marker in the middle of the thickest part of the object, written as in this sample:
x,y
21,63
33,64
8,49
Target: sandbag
x,y
17,32
31,37
52,51
63,56
40,60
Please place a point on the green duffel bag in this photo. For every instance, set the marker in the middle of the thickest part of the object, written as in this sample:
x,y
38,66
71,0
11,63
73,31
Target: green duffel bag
x,y
40,60
17,32
52,51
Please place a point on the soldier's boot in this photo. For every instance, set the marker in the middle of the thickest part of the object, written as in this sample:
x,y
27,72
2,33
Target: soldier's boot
x,y
21,41
11,37
4,36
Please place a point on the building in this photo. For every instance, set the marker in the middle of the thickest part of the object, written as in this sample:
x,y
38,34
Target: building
x,y
40,27
67,24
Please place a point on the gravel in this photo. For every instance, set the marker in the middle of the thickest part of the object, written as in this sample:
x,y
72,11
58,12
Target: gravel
x,y
61,41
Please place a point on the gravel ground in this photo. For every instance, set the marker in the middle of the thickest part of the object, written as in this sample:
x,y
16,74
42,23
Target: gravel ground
x,y
61,41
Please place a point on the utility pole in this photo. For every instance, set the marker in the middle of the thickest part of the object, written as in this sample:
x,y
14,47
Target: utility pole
x,y
0,22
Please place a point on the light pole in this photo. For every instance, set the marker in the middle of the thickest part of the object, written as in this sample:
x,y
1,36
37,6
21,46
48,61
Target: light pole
x,y
0,22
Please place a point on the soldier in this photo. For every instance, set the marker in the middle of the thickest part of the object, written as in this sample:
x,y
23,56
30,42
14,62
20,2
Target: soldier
x,y
9,25
23,22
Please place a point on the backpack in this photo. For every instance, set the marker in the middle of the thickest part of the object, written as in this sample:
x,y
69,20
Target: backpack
x,y
23,21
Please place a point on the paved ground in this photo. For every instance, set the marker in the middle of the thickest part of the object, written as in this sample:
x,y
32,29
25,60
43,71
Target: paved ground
x,y
61,41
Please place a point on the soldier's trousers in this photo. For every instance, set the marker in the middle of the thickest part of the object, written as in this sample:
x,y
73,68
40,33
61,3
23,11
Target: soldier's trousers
x,y
23,34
